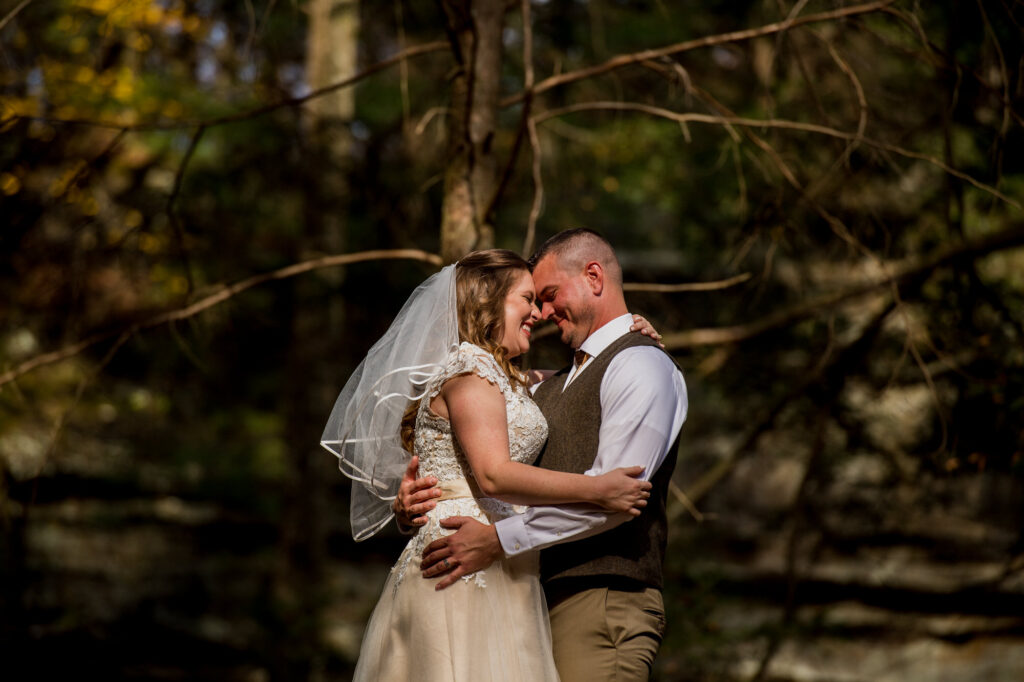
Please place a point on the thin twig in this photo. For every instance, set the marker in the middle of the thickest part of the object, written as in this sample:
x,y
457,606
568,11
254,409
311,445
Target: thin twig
x,y
772,123
828,374
85,169
58,427
687,286
1010,238
1005,77
940,59
538,189
524,118
222,294
403,67
708,41
428,116
685,500
172,209
531,127
250,39
13,13
862,120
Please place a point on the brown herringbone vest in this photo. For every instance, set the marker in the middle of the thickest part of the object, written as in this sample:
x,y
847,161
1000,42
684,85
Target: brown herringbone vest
x,y
634,550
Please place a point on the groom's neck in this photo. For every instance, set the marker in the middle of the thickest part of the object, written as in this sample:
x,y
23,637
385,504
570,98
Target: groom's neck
x,y
607,311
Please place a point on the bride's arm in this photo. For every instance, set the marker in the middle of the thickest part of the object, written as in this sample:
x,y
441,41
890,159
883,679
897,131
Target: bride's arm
x,y
476,410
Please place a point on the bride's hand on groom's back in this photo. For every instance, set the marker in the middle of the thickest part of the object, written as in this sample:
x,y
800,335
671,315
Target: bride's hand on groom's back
x,y
624,491
415,497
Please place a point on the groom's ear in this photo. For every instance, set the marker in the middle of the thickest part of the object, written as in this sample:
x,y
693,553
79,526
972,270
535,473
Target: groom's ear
x,y
594,274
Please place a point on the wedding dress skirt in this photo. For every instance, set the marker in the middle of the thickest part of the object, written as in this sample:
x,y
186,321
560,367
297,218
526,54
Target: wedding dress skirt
x,y
490,628
492,625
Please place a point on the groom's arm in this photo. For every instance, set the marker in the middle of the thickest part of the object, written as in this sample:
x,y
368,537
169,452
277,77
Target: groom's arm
x,y
643,405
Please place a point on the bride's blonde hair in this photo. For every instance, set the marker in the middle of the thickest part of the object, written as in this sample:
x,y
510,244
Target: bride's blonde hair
x,y
483,280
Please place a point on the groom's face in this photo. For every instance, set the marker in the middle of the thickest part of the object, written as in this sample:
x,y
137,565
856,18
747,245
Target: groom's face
x,y
564,299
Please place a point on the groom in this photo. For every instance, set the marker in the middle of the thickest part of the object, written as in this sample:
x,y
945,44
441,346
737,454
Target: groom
x,y
621,403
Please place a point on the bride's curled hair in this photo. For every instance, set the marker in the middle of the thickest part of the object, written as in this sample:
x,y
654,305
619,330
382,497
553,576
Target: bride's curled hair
x,y
483,280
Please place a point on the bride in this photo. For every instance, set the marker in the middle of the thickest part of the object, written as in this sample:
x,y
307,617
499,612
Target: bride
x,y
441,384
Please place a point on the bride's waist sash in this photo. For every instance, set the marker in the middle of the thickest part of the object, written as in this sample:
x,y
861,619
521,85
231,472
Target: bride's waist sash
x,y
459,488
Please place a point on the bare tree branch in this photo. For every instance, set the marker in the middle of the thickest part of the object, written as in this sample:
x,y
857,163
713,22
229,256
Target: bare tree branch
x,y
13,13
687,286
862,119
222,294
538,190
524,117
708,41
1007,239
87,168
815,375
172,208
773,123
535,168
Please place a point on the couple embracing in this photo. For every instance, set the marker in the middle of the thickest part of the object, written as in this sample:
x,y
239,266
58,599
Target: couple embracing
x,y
540,505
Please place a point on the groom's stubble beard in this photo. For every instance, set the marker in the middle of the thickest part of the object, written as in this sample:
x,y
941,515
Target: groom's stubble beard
x,y
578,323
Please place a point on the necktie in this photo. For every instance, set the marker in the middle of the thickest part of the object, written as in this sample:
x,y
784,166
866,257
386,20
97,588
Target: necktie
x,y
580,358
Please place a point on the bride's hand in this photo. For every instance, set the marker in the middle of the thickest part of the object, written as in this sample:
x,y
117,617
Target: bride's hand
x,y
642,324
623,491
415,497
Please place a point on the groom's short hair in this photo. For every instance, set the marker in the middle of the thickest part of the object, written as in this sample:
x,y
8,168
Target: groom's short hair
x,y
576,247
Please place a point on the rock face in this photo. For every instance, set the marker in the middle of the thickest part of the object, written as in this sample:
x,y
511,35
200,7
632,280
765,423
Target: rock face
x,y
857,563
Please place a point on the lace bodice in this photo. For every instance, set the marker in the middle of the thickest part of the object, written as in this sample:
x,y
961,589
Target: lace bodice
x,y
442,456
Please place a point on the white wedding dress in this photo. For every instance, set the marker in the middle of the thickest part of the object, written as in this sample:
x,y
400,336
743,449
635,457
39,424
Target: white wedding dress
x,y
491,625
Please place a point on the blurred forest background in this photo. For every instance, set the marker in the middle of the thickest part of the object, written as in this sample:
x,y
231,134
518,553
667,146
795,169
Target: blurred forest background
x,y
210,211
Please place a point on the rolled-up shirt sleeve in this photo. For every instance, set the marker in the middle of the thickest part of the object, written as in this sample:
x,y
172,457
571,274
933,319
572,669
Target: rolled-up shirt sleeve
x,y
643,406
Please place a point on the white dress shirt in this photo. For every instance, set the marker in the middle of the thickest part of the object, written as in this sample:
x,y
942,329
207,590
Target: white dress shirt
x,y
643,406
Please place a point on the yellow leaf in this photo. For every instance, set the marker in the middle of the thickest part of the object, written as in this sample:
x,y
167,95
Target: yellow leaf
x,y
132,219
149,243
173,109
84,74
89,205
9,183
140,42
177,285
122,90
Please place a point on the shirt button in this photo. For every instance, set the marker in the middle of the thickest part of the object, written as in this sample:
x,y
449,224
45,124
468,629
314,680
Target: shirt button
x,y
559,533
517,545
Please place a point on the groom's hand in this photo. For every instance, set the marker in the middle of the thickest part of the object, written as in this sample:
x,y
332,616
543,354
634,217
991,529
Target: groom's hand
x,y
415,497
473,547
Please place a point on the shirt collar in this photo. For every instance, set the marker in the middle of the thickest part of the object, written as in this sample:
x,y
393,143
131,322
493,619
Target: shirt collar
x,y
604,336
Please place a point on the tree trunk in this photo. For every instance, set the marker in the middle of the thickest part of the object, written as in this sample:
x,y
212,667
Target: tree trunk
x,y
471,176
312,381
331,54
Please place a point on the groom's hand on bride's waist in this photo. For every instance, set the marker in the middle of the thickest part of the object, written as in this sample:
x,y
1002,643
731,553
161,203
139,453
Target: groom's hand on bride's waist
x,y
472,547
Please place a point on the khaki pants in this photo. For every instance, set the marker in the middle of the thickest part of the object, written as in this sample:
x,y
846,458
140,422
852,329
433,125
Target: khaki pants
x,y
606,635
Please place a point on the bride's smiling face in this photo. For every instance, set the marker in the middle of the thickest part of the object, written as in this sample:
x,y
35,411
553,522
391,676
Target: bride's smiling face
x,y
520,315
